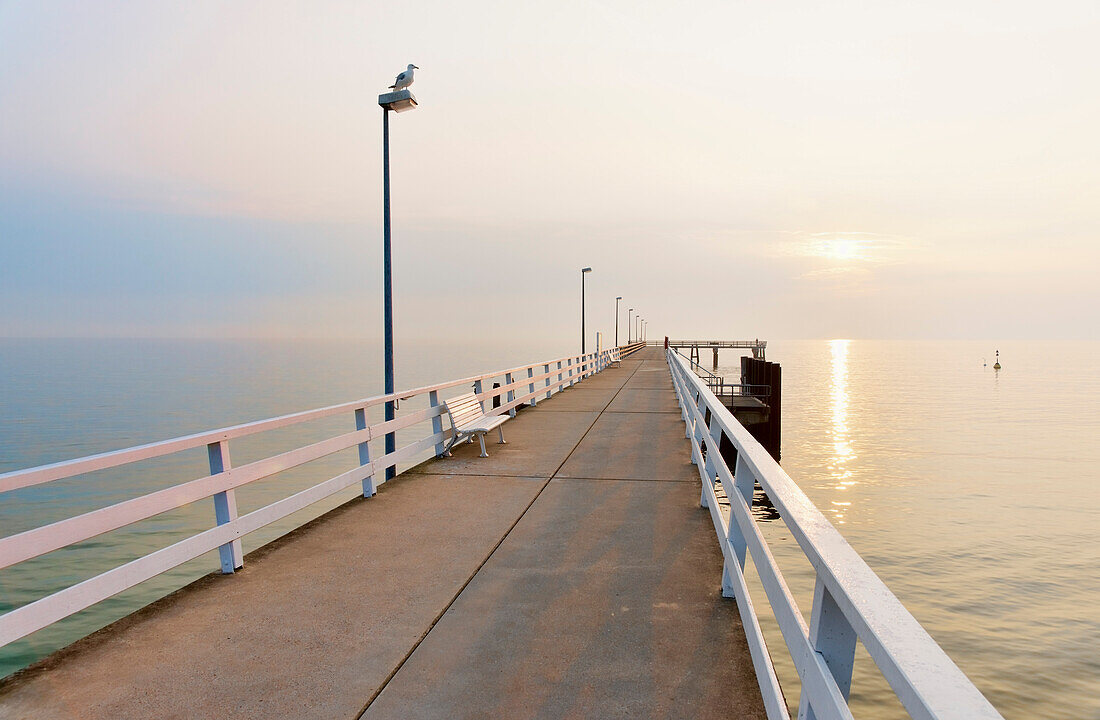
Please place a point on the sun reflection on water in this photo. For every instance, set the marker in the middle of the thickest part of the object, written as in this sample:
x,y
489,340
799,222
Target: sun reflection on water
x,y
840,473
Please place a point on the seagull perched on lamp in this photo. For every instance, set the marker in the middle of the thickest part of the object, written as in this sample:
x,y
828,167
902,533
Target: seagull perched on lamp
x,y
404,79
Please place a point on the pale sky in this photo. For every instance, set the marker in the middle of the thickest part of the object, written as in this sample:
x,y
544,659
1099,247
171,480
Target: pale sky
x,y
733,169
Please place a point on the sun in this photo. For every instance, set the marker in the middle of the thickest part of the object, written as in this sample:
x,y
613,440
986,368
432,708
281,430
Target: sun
x,y
841,249
838,247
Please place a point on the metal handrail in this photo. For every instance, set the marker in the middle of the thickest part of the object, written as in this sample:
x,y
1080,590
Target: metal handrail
x,y
720,387
850,601
695,366
524,384
761,392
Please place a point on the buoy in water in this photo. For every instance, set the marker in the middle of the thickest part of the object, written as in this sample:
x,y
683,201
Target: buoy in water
x,y
997,364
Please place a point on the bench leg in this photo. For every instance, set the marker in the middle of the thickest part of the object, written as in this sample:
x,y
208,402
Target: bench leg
x,y
481,439
500,429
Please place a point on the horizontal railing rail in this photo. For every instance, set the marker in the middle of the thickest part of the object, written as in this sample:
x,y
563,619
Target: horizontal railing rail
x,y
850,601
631,348
524,384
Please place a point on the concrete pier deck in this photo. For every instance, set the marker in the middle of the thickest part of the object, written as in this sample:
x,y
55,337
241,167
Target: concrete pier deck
x,y
570,574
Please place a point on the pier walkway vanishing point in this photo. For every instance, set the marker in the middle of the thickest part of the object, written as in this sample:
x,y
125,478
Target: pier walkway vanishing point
x,y
572,573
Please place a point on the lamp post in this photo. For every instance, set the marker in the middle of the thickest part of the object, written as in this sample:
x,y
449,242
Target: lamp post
x,y
637,327
629,324
399,101
584,271
617,320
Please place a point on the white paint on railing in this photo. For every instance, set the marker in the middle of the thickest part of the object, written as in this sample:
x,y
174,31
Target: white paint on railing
x,y
850,601
364,447
225,505
224,478
511,393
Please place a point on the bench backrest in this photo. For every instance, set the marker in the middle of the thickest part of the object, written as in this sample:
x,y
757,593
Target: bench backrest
x,y
464,408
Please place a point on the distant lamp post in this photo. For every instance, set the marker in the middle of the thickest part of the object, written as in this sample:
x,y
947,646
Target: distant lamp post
x,y
584,271
617,320
400,100
629,324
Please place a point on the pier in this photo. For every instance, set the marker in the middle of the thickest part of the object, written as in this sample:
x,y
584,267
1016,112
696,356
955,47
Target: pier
x,y
757,346
586,568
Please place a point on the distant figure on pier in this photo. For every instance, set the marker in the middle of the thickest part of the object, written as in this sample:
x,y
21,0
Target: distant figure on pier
x,y
404,79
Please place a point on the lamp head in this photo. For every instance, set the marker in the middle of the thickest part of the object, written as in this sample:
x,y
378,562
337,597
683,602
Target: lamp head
x,y
619,298
584,270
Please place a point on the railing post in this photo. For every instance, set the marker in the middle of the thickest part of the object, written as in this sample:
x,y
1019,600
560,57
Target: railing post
x,y
546,369
687,415
511,394
478,391
569,368
710,463
225,506
437,423
364,452
561,378
531,387
701,406
834,639
744,483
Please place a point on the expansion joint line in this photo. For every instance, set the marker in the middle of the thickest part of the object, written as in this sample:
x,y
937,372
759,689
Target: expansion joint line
x,y
451,602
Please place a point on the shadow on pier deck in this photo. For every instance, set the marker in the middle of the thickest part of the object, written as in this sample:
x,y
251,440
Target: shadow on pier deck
x,y
571,573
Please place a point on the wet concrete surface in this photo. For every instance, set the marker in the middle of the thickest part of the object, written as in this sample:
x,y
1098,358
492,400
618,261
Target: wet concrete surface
x,y
570,574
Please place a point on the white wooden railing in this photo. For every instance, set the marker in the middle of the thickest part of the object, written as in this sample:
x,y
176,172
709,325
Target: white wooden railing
x,y
525,384
850,601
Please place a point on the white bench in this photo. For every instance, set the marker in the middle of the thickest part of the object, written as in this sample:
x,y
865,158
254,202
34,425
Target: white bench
x,y
469,419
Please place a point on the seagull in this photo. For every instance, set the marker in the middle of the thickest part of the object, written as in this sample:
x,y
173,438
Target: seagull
x,y
404,79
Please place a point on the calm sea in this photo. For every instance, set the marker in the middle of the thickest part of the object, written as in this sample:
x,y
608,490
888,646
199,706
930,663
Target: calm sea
x,y
974,493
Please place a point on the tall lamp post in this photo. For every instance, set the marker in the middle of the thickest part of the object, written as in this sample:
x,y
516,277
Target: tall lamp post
x,y
617,320
398,101
584,271
629,324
